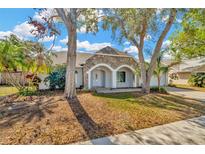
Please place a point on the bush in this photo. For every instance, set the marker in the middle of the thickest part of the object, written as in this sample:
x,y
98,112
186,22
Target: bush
x,y
157,89
56,78
27,91
197,80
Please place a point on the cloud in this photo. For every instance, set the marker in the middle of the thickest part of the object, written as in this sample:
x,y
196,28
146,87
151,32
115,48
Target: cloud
x,y
87,46
131,49
64,41
166,44
82,29
46,39
59,48
5,34
126,43
46,13
23,30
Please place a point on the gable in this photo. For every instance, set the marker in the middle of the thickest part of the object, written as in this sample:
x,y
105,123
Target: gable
x,y
110,51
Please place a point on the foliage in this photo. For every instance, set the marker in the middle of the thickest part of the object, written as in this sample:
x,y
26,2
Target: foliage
x,y
158,89
160,68
25,56
56,79
74,20
135,25
197,80
189,41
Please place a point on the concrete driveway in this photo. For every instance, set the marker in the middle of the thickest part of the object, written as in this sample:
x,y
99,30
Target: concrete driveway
x,y
193,94
190,131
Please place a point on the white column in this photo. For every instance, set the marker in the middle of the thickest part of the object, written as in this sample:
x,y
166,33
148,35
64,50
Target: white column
x,y
89,80
135,81
114,79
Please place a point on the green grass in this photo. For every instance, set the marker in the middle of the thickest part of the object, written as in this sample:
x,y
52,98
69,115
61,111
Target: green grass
x,y
186,86
132,102
7,90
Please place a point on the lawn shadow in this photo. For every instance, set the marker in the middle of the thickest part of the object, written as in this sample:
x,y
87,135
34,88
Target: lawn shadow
x,y
121,96
157,100
91,128
26,111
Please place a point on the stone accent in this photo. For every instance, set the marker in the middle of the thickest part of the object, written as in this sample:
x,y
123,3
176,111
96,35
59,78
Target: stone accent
x,y
111,60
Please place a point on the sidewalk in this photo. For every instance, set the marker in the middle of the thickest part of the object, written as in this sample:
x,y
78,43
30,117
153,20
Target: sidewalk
x,y
190,131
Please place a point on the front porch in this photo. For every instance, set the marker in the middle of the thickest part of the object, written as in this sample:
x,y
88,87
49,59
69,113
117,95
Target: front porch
x,y
116,90
103,77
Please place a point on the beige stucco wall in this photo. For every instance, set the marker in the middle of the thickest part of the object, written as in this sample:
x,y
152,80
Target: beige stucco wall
x,y
113,61
129,78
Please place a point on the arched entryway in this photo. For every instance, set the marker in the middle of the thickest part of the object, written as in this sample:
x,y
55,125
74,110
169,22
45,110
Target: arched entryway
x,y
100,76
125,77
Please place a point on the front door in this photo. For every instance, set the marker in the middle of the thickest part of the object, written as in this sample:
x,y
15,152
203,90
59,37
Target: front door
x,y
98,78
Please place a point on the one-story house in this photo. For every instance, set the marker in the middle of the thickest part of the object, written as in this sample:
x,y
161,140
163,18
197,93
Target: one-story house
x,y
186,68
106,68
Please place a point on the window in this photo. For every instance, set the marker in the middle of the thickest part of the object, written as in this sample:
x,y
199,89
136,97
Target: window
x,y
121,77
96,76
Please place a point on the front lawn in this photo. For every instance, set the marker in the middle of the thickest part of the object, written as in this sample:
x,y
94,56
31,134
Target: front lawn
x,y
50,119
186,86
7,90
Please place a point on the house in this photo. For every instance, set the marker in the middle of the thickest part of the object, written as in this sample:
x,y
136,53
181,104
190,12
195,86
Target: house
x,y
185,69
106,68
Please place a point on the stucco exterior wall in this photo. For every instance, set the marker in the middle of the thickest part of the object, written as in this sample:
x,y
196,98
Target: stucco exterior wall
x,y
113,61
129,78
95,82
79,77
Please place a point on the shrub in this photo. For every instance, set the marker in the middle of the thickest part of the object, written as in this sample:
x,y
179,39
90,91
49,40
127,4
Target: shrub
x,y
56,78
157,89
197,80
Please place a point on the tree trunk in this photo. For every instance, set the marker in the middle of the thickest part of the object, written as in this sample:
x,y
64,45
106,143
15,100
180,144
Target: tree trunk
x,y
70,89
158,79
146,76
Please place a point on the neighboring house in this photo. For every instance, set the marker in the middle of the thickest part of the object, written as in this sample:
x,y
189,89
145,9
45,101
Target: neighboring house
x,y
106,68
186,68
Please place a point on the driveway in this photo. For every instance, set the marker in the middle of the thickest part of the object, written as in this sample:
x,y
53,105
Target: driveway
x,y
190,131
193,94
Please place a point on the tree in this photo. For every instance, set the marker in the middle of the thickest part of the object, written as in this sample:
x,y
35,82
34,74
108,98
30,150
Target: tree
x,y
160,68
73,19
18,55
135,25
189,41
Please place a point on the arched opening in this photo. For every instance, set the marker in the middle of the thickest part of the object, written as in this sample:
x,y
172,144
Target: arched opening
x,y
125,77
100,77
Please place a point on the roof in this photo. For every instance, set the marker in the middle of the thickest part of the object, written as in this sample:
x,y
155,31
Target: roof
x,y
61,57
111,51
188,65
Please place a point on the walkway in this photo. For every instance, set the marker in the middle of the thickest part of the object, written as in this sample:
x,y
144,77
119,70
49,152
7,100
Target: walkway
x,y
193,94
118,90
190,131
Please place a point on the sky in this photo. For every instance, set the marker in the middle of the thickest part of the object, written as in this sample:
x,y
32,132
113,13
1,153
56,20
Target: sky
x,y
14,21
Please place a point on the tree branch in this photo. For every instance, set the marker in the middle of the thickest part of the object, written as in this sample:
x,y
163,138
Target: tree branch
x,y
160,41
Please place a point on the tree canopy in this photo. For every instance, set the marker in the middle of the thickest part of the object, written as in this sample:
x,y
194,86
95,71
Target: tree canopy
x,y
135,25
189,41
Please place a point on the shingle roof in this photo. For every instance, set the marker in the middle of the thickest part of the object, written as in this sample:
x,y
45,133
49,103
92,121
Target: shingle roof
x,y
111,51
61,57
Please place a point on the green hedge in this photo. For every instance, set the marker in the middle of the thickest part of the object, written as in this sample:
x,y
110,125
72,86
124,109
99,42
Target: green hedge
x,y
197,80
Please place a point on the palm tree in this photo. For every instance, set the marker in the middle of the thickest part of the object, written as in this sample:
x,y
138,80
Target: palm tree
x,y
24,56
160,68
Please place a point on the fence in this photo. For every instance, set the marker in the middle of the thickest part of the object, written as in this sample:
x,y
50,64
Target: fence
x,y
19,77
